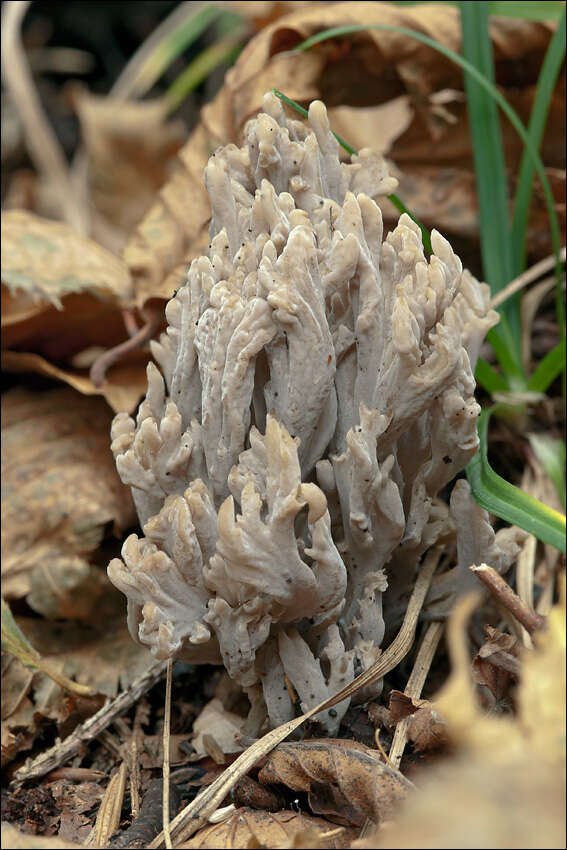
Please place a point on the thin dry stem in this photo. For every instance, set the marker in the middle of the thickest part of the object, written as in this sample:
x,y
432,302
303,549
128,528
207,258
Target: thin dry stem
x,y
166,736
108,817
527,277
525,570
414,687
114,355
41,141
196,814
511,601
91,728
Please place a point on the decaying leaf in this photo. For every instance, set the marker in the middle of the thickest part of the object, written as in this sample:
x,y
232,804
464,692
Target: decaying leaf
x,y
505,788
102,657
427,729
16,643
224,726
346,784
47,261
247,828
410,89
60,493
129,147
123,388
62,301
14,838
496,665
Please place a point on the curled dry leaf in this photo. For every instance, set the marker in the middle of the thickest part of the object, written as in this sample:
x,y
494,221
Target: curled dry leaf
x,y
62,296
224,726
346,784
411,95
505,787
496,666
60,492
250,828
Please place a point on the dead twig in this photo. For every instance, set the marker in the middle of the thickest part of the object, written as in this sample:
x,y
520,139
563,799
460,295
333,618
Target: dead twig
x,y
166,735
41,142
113,355
511,601
108,817
527,277
91,728
414,687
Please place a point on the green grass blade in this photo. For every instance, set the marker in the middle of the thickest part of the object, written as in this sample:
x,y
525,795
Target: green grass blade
x,y
499,339
490,167
302,111
510,114
549,369
489,378
546,83
486,84
222,51
186,32
551,454
509,503
540,10
394,199
531,10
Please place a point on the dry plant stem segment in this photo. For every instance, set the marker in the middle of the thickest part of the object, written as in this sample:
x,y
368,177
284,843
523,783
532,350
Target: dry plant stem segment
x,y
166,736
527,277
114,355
504,593
108,817
415,685
41,141
196,815
92,727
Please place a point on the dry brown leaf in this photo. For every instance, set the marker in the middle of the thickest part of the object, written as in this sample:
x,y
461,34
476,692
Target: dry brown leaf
x,y
47,261
62,297
130,148
464,804
506,786
225,727
390,80
427,729
102,656
346,784
17,840
74,800
123,388
60,492
250,828
496,666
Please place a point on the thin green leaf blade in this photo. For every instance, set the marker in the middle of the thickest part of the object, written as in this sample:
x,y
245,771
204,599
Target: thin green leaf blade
x,y
509,503
489,378
549,369
490,167
530,10
546,83
16,643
